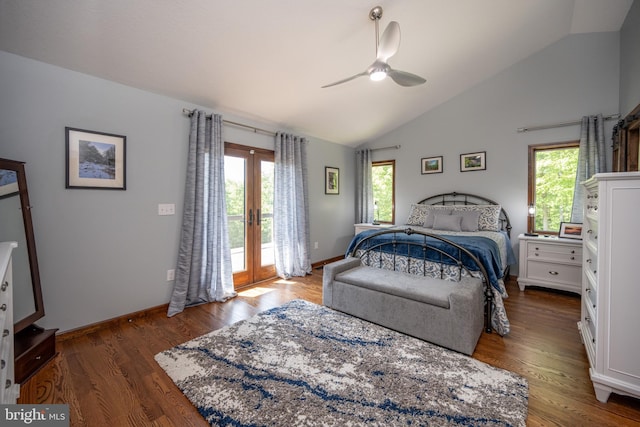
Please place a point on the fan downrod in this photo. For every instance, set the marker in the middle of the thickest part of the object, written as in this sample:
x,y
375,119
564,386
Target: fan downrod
x,y
375,13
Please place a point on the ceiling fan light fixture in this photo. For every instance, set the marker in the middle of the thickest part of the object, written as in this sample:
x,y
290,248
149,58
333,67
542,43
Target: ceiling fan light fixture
x,y
378,75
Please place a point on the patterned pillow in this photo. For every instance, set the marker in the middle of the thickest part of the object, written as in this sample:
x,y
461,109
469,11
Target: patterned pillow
x,y
417,214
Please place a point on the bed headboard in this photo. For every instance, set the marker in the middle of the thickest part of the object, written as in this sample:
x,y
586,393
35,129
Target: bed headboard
x,y
456,198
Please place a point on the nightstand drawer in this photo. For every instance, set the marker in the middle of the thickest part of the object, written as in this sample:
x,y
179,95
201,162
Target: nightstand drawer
x,y
555,252
33,352
551,272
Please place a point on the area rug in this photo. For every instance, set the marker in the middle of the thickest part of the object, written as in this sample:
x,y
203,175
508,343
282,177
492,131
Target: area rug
x,y
302,364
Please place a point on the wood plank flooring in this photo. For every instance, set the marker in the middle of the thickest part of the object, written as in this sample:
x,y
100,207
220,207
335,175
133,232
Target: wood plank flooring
x,y
108,376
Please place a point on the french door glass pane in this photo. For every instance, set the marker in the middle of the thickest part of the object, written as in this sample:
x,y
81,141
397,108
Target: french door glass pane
x,y
234,177
267,256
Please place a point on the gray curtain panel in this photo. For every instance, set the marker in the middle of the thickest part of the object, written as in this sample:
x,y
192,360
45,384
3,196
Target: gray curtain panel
x,y
291,207
592,159
364,187
204,272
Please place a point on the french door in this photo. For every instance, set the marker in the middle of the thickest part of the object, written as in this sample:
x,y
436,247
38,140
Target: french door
x,y
249,176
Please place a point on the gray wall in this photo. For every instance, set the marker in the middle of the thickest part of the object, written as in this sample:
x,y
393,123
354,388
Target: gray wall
x,y
576,76
105,253
630,60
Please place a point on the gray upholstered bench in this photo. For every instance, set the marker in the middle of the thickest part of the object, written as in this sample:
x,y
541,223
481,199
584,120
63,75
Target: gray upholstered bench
x,y
446,313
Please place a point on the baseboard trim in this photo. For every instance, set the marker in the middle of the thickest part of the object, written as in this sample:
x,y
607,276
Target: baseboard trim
x,y
94,327
131,317
318,265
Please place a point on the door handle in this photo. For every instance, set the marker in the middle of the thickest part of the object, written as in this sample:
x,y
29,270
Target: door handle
x,y
250,217
258,220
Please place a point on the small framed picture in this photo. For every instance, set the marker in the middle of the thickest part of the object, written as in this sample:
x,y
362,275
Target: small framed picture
x,y
473,161
95,160
570,230
431,165
331,180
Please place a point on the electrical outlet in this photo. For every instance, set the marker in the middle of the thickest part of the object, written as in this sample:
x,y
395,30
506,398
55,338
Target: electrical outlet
x,y
166,209
171,275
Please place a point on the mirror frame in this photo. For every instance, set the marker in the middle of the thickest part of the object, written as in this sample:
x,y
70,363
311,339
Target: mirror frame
x,y
18,167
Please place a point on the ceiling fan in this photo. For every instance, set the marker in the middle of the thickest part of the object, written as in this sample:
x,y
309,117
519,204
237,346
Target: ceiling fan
x,y
385,49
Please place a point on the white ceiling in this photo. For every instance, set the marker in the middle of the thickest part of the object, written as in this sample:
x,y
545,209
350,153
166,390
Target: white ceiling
x,y
266,59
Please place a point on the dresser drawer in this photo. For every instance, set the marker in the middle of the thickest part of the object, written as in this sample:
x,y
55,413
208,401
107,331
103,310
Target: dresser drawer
x,y
552,272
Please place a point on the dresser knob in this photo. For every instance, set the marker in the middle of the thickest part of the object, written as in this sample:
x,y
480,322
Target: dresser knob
x,y
553,273
572,258
587,319
573,251
589,231
38,357
589,260
588,290
8,384
3,307
5,333
2,364
4,286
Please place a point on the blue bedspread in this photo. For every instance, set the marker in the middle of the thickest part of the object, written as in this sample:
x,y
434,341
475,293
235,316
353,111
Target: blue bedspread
x,y
483,248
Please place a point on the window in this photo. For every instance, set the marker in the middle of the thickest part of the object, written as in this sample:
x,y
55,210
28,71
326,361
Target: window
x,y
552,177
383,182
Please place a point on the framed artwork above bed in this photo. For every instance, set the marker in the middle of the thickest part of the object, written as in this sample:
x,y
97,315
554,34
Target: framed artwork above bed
x,y
431,165
473,161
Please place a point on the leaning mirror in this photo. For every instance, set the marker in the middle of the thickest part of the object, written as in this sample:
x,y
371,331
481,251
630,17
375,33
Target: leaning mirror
x,y
16,225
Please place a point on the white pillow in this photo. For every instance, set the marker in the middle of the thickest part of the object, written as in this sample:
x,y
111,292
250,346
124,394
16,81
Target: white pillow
x,y
489,219
469,220
431,215
447,222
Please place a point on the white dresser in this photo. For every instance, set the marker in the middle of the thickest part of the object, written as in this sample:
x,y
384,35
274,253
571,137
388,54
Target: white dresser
x,y
610,323
9,390
550,262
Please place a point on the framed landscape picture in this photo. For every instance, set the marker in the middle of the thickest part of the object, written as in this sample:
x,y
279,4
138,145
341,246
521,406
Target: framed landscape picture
x,y
570,230
473,161
95,160
331,180
431,165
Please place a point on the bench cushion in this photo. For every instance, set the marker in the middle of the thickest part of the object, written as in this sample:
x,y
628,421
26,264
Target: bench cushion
x,y
418,288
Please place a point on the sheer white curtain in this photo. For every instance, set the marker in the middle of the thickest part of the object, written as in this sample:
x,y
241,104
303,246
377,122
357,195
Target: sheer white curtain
x,y
291,210
592,159
204,271
364,188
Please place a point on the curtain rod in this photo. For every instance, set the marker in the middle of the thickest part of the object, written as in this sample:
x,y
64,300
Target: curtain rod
x,y
397,147
563,124
240,125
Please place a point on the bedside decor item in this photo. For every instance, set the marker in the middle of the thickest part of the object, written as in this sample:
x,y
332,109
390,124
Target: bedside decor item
x,y
305,364
331,180
95,159
431,165
473,161
570,230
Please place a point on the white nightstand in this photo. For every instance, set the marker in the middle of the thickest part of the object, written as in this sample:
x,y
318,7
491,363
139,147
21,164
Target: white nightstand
x,y
367,226
550,262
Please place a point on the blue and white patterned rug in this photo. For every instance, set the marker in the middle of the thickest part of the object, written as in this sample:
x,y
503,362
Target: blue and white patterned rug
x,y
302,364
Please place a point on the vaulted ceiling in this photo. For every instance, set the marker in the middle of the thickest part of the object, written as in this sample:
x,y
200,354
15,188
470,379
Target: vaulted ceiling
x,y
266,60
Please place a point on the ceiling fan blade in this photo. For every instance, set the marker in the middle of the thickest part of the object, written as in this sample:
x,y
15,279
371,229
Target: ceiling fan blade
x,y
389,42
345,80
405,79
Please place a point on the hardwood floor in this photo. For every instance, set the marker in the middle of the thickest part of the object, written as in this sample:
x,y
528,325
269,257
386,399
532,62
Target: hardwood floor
x,y
108,376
